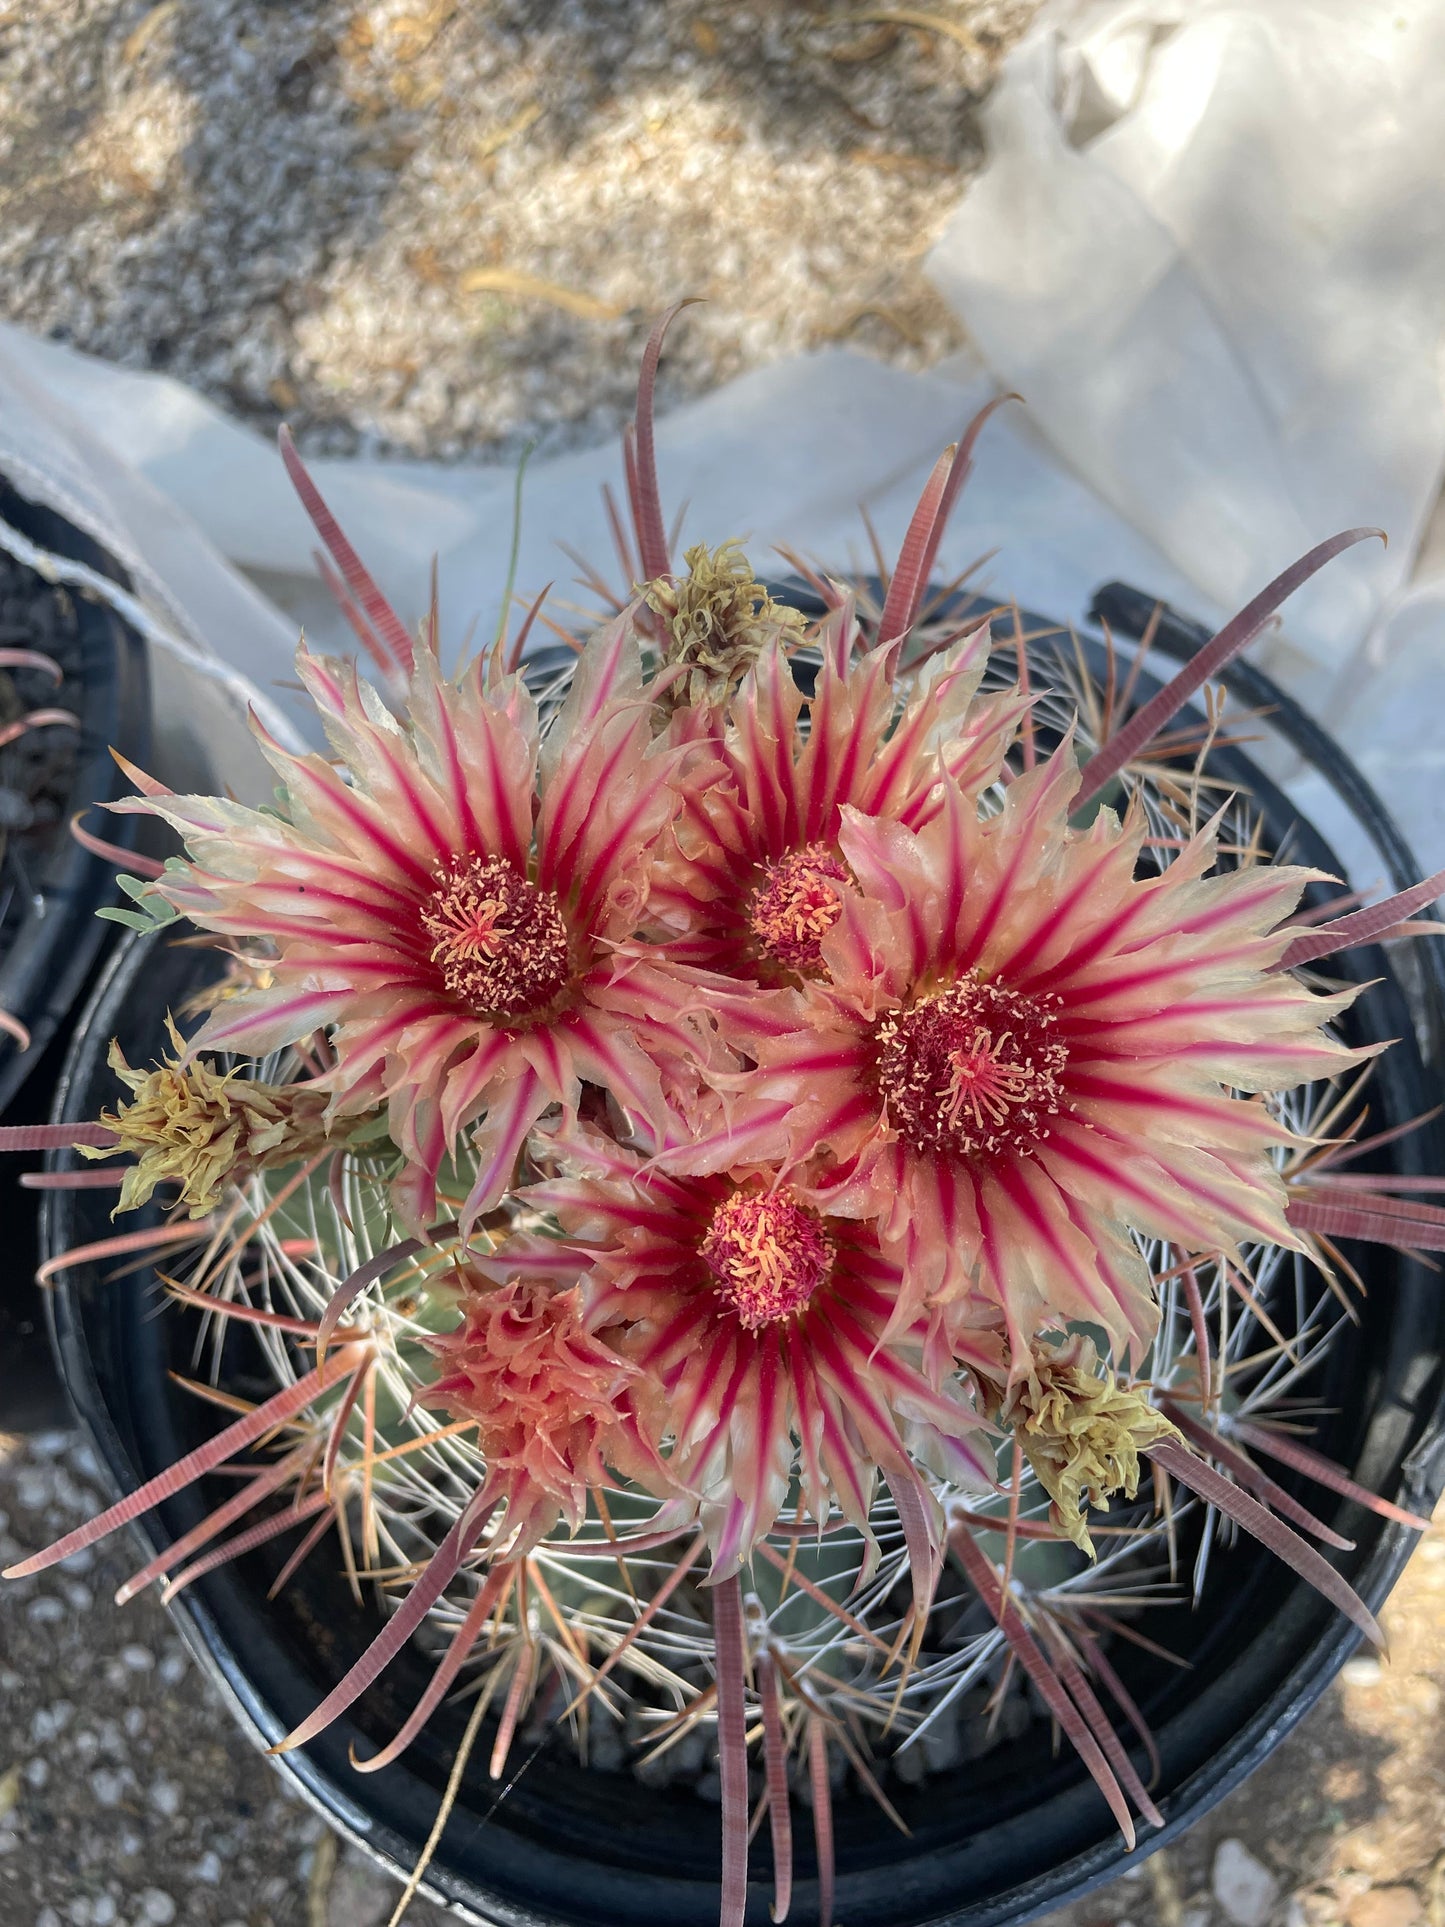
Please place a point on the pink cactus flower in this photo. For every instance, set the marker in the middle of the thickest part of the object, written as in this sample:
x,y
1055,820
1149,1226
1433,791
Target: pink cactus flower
x,y
1023,1047
557,1411
753,878
446,902
769,1331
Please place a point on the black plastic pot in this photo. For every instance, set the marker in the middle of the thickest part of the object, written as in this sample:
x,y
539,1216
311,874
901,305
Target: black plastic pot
x,y
990,1844
49,967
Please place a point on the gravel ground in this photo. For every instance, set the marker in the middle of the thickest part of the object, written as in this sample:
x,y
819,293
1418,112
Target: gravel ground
x,y
441,229
437,228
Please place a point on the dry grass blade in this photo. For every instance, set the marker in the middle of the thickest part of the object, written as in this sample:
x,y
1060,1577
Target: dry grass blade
x,y
916,17
449,1800
533,287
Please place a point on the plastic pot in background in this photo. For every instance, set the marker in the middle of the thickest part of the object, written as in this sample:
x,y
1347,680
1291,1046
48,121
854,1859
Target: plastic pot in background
x,y
53,941
561,1846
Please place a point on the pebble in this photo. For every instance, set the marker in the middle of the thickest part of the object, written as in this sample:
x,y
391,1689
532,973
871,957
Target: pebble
x,y
47,1721
1362,1671
1242,1884
157,1907
102,1911
1385,1907
208,1870
165,1797
108,1784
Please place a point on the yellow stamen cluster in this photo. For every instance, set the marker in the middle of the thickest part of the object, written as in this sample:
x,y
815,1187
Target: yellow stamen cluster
x,y
1082,1432
768,1254
499,942
718,620
974,1070
191,1125
796,904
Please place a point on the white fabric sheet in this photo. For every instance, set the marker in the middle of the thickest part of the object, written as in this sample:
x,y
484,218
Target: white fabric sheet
x,y
1208,249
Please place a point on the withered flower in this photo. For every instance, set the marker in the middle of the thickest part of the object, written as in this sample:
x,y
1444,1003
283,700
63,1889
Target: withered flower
x,y
189,1124
718,621
1082,1431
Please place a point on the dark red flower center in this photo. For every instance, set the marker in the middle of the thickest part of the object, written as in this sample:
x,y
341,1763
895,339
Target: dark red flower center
x,y
974,1069
797,903
768,1253
498,940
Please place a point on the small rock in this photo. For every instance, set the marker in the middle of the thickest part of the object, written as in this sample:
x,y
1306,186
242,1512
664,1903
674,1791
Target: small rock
x,y
165,1797
1361,1672
208,1869
107,1783
102,1912
1195,1917
137,1659
47,1721
157,1907
1244,1887
1385,1907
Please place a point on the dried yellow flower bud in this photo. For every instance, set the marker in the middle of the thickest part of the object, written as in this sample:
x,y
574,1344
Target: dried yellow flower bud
x,y
719,619
191,1125
1082,1431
